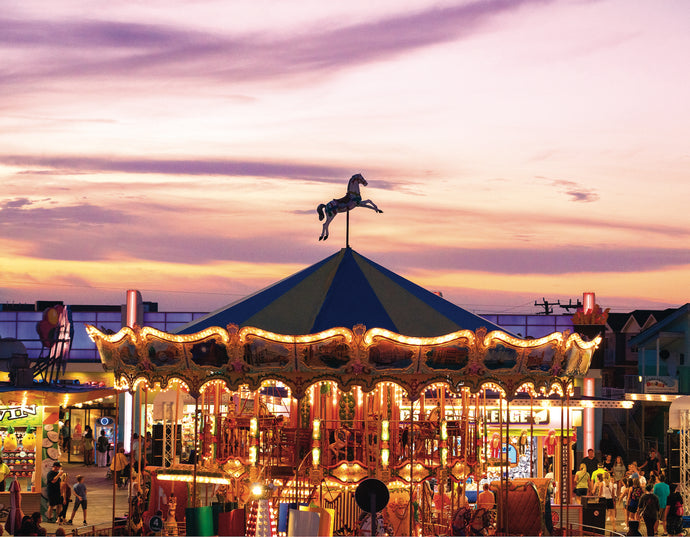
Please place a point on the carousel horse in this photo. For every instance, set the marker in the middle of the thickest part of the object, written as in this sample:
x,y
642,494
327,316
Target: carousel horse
x,y
469,521
339,444
351,200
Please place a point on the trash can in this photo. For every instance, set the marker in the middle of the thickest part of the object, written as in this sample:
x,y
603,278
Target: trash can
x,y
594,514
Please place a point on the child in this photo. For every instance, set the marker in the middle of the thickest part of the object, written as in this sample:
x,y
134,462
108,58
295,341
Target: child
x,y
80,493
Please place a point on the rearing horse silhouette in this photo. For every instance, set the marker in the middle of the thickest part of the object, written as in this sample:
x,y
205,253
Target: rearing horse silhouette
x,y
351,200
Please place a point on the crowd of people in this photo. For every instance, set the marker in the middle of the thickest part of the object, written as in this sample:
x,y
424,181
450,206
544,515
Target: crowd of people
x,y
642,491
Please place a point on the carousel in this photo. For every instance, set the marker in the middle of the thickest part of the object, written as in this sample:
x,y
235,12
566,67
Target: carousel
x,y
267,415
252,417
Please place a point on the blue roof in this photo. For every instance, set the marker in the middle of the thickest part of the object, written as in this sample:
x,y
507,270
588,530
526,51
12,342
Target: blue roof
x,y
344,290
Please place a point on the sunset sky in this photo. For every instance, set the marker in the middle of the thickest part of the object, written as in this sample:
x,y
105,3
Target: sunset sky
x,y
518,149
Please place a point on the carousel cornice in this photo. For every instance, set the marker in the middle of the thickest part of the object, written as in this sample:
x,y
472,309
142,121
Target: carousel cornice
x,y
249,356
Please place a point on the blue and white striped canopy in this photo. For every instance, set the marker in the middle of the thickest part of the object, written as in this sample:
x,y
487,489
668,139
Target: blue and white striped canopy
x,y
344,290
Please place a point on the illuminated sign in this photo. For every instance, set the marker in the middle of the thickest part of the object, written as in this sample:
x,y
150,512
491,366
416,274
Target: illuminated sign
x,y
27,414
518,416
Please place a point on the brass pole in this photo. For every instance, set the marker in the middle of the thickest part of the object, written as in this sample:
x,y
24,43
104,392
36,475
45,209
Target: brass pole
x,y
115,443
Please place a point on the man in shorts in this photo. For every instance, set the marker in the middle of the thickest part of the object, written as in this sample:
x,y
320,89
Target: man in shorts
x,y
80,498
53,480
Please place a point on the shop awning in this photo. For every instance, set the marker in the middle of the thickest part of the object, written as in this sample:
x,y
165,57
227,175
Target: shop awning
x,y
52,395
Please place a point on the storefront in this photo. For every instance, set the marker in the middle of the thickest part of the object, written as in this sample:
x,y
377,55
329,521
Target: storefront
x,y
97,416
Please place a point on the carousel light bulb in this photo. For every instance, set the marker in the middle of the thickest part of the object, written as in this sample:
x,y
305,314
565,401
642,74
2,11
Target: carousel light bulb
x,y
253,427
444,430
316,435
385,454
316,456
385,431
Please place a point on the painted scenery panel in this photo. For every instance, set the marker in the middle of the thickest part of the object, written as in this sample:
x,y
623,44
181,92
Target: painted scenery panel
x,y
163,353
389,355
455,356
209,353
127,354
500,357
540,358
332,353
267,354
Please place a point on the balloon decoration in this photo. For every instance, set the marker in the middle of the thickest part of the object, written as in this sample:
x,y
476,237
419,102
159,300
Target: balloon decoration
x,y
49,327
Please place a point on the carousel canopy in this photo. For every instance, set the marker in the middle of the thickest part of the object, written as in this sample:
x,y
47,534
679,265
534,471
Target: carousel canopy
x,y
344,290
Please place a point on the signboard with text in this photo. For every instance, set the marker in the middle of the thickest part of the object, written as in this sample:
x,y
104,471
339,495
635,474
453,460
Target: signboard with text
x,y
20,416
660,385
518,416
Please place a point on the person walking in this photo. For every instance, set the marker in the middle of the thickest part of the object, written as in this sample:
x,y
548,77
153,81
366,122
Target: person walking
x,y
80,494
662,491
649,510
66,495
65,437
53,480
88,444
674,512
135,451
607,491
582,482
618,475
590,462
634,496
102,447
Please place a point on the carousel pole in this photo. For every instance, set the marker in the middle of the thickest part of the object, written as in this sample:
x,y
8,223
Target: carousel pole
x,y
173,425
133,394
531,435
507,459
568,452
411,507
500,458
115,451
561,456
146,415
196,448
486,430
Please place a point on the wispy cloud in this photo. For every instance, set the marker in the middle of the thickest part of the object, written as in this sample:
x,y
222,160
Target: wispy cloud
x,y
23,211
566,259
77,165
576,191
92,48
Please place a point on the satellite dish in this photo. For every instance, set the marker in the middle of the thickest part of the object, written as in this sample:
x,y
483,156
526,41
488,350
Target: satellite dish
x,y
372,495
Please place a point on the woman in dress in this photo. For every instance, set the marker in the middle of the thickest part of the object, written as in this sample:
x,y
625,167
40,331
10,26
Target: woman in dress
x,y
618,474
88,446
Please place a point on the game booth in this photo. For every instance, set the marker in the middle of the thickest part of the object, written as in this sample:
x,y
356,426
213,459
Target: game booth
x,y
269,414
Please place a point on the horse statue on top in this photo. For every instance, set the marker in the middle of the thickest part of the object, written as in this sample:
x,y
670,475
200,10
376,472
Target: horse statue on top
x,y
351,200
